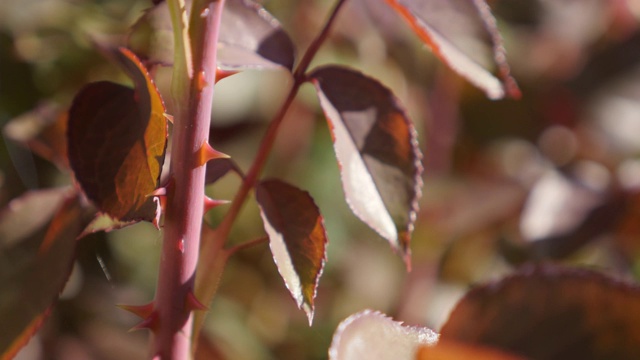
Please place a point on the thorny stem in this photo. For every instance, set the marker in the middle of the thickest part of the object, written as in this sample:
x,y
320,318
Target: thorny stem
x,y
172,319
207,281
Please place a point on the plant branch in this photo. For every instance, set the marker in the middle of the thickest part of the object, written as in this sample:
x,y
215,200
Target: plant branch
x,y
234,249
175,301
210,273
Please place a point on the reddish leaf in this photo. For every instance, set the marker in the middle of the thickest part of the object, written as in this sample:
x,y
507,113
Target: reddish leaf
x,y
463,34
117,139
250,37
296,236
372,335
43,131
449,350
376,146
218,168
550,312
33,272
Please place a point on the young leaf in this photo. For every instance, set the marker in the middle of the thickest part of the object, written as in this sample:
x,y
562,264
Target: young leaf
x,y
376,146
551,312
296,236
463,34
372,335
250,37
116,139
33,272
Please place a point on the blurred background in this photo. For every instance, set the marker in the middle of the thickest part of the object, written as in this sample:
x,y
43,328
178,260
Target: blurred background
x,y
553,176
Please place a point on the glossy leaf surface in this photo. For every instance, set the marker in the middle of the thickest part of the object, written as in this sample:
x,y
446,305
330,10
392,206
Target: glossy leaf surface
x,y
117,138
463,34
373,335
297,238
550,312
376,146
34,271
249,37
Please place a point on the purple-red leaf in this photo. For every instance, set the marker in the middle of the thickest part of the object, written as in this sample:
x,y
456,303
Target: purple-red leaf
x,y
463,34
33,271
550,312
217,168
250,37
297,238
376,146
117,138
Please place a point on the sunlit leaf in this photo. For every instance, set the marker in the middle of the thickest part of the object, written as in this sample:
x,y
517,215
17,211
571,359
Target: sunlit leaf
x,y
551,312
297,238
376,147
43,131
372,335
33,271
250,37
117,138
463,34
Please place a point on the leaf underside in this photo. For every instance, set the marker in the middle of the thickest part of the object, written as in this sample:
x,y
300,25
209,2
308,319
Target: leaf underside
x,y
376,146
297,238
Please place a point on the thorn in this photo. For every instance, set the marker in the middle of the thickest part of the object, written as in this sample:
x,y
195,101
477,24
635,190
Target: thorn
x,y
141,311
210,203
193,304
221,74
150,322
168,117
161,191
207,153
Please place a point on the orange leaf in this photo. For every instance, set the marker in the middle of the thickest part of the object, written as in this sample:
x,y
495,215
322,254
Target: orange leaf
x,y
117,139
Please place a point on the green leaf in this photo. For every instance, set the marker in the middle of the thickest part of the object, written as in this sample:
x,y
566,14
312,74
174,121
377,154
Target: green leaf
x,y
376,146
297,238
33,271
117,138
463,34
551,312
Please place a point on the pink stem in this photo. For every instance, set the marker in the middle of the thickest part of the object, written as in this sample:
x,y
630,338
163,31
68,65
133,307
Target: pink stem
x,y
185,195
